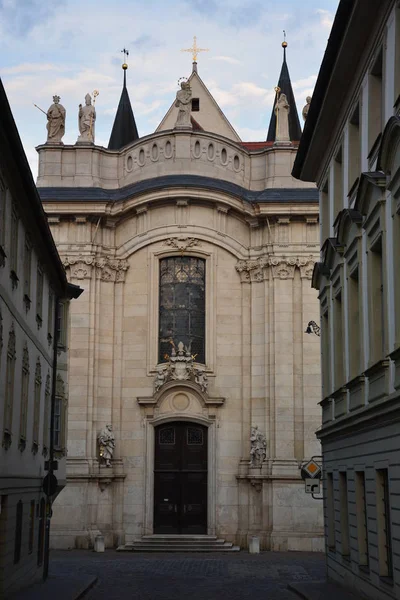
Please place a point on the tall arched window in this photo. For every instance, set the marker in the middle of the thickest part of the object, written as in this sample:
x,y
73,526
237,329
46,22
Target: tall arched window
x,y
182,306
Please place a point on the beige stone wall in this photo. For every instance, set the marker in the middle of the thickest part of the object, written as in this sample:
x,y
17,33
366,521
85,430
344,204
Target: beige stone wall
x,y
259,361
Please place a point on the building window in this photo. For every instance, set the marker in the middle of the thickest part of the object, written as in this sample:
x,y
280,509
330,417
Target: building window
x,y
31,526
324,212
344,515
326,354
39,296
195,104
362,523
46,415
27,272
354,147
3,200
18,532
376,302
330,511
9,391
24,399
375,101
337,184
36,409
384,524
60,415
338,340
14,247
50,324
62,324
182,306
355,327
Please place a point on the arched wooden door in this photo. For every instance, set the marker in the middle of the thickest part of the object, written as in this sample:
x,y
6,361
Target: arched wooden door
x,y
180,478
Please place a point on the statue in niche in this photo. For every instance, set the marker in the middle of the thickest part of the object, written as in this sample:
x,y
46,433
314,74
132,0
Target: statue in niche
x,y
258,452
55,122
86,119
201,379
306,108
106,440
183,103
282,110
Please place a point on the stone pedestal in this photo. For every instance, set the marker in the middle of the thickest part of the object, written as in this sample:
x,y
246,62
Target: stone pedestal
x,y
254,545
99,543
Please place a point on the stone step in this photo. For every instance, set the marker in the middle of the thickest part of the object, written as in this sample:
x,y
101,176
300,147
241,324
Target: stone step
x,y
179,543
169,548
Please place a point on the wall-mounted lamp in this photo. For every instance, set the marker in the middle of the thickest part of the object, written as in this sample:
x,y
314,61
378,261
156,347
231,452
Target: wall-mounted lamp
x,y
312,327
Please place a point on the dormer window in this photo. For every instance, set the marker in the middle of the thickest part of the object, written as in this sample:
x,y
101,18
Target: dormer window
x,y
195,104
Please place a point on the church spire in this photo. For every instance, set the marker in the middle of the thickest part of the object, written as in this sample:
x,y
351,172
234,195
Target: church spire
x,y
285,87
124,130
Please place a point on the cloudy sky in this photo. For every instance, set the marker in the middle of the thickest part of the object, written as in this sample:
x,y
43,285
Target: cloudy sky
x,y
71,47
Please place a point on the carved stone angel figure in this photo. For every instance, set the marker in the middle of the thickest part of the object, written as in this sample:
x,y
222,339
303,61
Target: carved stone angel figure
x,y
306,108
282,110
258,452
86,119
106,440
184,104
55,122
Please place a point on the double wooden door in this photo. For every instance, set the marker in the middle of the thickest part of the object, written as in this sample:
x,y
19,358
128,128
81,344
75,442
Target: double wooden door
x,y
180,479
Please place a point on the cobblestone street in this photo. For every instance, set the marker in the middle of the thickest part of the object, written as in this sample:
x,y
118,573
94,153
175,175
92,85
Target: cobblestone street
x,y
237,576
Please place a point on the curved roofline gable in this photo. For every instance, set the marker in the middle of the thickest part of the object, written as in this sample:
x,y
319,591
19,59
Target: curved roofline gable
x,y
389,146
370,183
348,217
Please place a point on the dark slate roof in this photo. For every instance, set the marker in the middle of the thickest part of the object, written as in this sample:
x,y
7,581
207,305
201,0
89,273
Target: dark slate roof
x,y
283,195
124,130
286,88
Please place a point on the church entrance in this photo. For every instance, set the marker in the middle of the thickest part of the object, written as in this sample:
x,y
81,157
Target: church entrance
x,y
180,479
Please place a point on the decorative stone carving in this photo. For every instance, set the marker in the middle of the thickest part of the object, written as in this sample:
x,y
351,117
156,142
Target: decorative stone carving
x,y
258,452
86,119
282,110
180,368
182,243
107,269
106,440
306,108
55,122
183,103
282,267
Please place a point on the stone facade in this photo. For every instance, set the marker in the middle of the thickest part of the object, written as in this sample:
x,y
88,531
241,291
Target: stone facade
x,y
114,216
357,278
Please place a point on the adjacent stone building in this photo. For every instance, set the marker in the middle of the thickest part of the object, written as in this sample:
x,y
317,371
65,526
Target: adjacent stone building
x,y
32,386
196,251
351,148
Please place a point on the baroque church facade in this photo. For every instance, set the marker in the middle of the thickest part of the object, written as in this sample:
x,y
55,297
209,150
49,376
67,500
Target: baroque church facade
x,y
196,251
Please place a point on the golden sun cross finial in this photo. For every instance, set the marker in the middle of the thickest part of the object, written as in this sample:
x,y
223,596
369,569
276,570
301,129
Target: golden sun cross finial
x,y
195,50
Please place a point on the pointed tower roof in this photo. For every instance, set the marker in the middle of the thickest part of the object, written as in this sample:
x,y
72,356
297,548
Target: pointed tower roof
x,y
124,130
285,86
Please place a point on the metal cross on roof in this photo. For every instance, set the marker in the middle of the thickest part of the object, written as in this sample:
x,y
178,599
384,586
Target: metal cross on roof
x,y
195,50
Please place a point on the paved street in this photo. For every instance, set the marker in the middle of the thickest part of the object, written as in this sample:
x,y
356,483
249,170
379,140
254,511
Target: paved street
x,y
237,576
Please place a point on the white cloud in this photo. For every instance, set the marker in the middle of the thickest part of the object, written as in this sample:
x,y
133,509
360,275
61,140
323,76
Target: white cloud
x,y
227,59
326,17
29,68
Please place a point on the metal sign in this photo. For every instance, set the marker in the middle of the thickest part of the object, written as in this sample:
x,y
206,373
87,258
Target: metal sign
x,y
313,486
50,484
311,470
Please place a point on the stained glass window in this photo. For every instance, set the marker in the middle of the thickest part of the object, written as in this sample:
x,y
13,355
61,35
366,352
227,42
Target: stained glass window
x,y
182,306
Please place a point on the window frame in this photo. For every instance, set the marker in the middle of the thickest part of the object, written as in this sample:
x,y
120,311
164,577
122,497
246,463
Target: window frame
x,y
210,310
189,311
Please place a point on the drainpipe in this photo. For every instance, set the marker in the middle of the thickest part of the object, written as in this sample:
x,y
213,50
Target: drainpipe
x,y
51,458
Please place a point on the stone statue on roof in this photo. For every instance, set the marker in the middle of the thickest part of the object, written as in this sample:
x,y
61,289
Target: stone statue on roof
x,y
282,109
86,119
55,122
183,103
306,108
